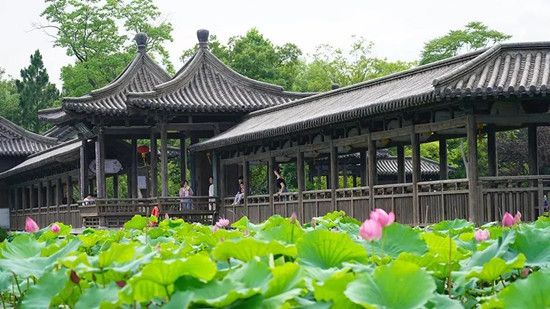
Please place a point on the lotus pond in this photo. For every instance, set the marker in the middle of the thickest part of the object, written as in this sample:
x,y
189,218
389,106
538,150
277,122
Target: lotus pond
x,y
279,263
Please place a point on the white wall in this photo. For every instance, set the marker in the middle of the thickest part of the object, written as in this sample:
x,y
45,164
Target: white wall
x,y
5,218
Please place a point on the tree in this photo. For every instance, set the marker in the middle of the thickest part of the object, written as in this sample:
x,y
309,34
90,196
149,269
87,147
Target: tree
x,y
98,34
35,93
335,66
9,98
476,35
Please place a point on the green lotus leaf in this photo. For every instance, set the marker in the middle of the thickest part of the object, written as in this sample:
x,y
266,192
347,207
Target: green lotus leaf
x,y
286,232
443,301
220,293
397,238
179,300
454,227
6,279
535,244
287,283
500,248
247,248
399,285
90,239
531,292
117,253
497,267
40,295
23,246
244,224
253,274
64,230
137,223
332,290
155,233
327,249
93,297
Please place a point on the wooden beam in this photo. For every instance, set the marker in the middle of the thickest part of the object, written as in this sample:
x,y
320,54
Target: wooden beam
x,y
443,170
164,159
474,208
415,147
519,119
154,164
134,173
401,164
492,151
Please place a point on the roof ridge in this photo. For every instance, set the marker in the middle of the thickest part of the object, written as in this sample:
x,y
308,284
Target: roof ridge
x,y
26,133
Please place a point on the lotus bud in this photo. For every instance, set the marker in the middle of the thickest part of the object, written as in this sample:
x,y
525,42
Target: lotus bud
x,y
482,235
246,233
166,216
524,273
31,226
215,228
222,223
508,220
55,228
222,239
313,223
293,218
517,217
383,218
121,284
74,277
371,230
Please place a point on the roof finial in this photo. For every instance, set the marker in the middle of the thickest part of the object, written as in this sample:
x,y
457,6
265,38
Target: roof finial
x,y
141,41
202,35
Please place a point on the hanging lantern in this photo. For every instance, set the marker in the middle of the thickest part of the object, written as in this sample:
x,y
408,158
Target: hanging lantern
x,y
143,150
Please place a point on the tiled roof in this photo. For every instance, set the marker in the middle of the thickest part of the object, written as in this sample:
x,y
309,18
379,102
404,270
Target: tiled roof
x,y
16,141
205,84
518,69
53,115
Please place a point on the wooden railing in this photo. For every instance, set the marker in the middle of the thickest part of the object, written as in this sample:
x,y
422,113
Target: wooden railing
x,y
443,200
45,215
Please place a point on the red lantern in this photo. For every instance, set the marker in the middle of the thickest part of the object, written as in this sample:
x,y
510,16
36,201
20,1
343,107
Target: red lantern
x,y
143,150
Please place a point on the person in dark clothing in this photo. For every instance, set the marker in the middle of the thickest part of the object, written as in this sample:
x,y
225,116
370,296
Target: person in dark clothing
x,y
281,184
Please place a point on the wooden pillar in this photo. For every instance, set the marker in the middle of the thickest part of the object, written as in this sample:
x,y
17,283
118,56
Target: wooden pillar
x,y
345,175
49,193
333,174
492,151
134,173
70,191
300,177
164,158
246,181
83,169
32,198
183,158
153,190
220,186
115,186
193,165
216,172
416,177
371,157
443,172
271,182
100,163
59,197
474,209
17,198
401,164
363,167
318,172
532,149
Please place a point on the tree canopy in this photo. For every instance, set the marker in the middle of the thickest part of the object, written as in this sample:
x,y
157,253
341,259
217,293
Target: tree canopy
x,y
98,34
475,35
9,98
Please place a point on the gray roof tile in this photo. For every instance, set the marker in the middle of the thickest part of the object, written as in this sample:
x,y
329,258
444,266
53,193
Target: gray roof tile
x,y
16,141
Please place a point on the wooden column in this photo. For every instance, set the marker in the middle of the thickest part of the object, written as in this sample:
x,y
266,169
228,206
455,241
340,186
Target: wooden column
x,y
300,177
115,186
333,174
193,165
154,164
415,146
371,157
401,164
318,172
474,209
492,151
271,182
220,186
32,198
532,149
164,158
246,181
134,173
344,175
363,162
216,172
49,193
100,164
70,191
59,197
17,198
83,169
443,172
183,159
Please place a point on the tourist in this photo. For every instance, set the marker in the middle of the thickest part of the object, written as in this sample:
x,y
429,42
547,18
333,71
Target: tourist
x,y
88,200
185,193
211,201
281,184
240,194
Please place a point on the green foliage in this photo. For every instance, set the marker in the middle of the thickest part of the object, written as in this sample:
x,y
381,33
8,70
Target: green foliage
x,y
475,35
9,98
98,34
35,93
278,264
3,234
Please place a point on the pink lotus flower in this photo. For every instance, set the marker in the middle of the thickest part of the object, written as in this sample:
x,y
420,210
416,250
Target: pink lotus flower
x,y
31,226
383,218
215,228
166,216
517,217
371,230
508,220
246,233
55,228
482,235
293,217
222,223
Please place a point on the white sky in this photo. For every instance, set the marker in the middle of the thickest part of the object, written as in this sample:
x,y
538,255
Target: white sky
x,y
398,28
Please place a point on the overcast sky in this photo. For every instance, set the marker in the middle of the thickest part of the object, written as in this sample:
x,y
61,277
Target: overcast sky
x,y
398,28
